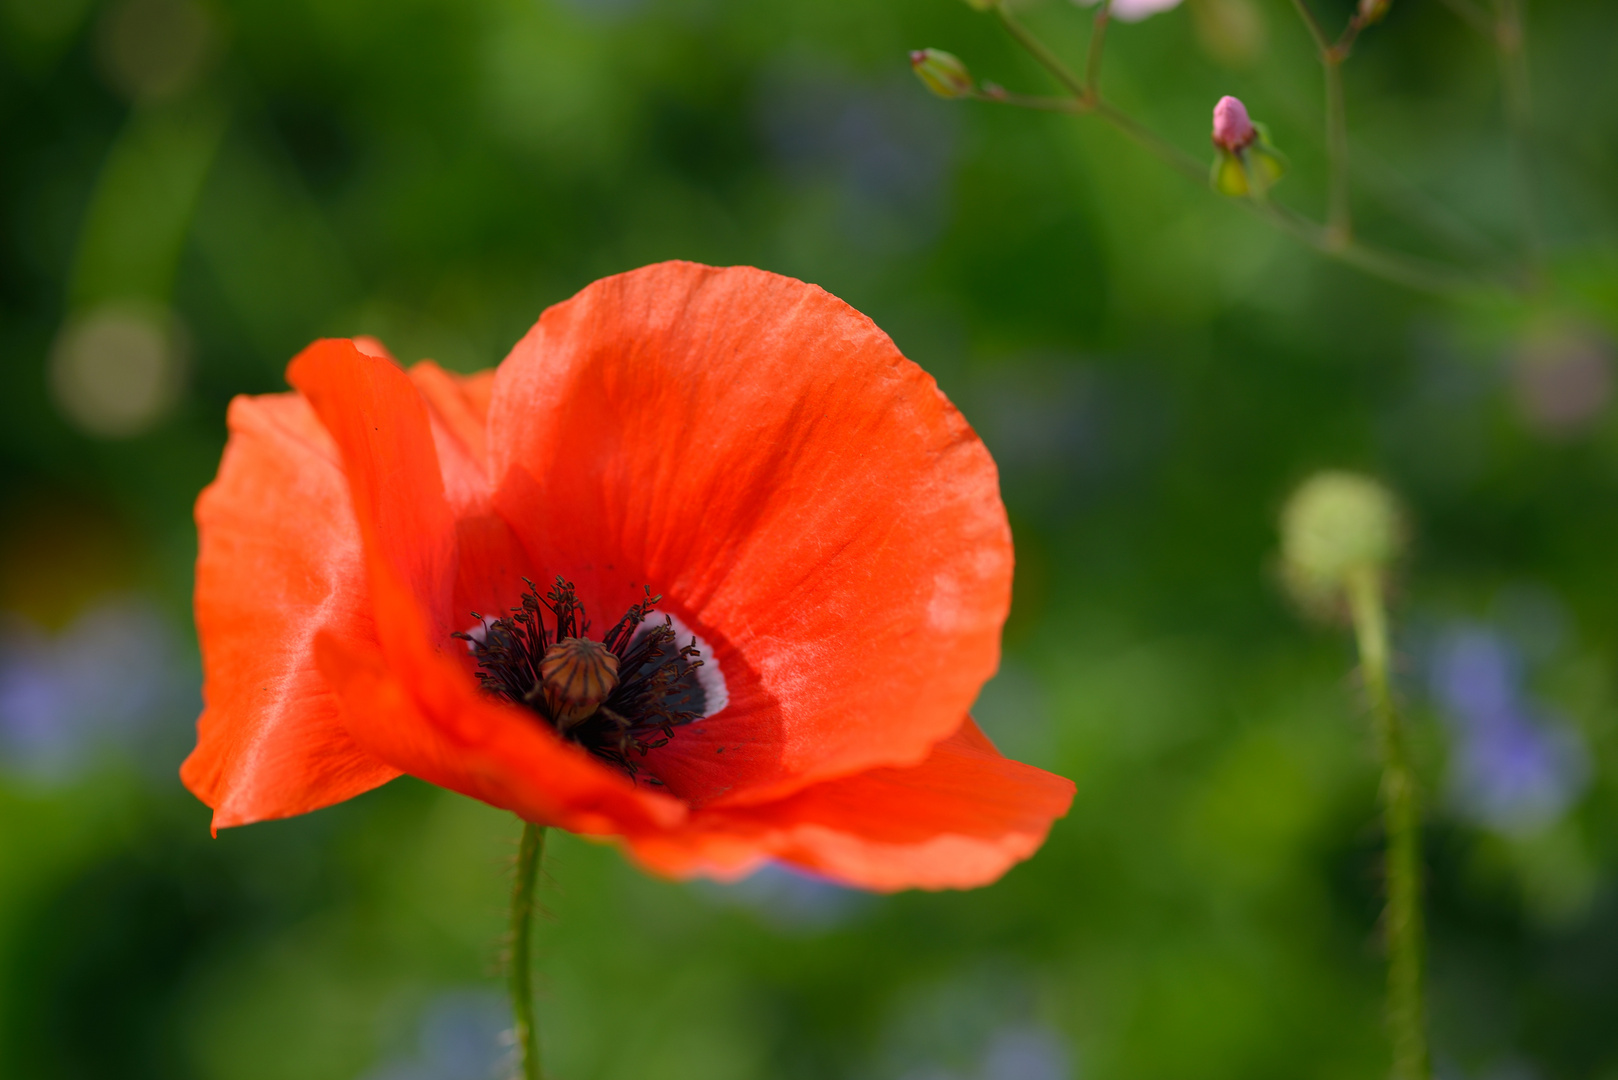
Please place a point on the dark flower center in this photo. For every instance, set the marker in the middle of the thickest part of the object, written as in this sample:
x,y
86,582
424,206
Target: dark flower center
x,y
622,695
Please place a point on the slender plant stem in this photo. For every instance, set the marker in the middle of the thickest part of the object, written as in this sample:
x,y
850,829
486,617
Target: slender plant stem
x,y
1351,33
1036,48
1322,42
530,853
1337,243
1510,42
1402,921
999,95
1098,39
1406,270
1150,140
1339,214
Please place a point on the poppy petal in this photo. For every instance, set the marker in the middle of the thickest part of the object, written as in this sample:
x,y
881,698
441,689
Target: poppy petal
x,y
804,497
279,558
382,429
958,820
406,699
492,561
458,406
484,749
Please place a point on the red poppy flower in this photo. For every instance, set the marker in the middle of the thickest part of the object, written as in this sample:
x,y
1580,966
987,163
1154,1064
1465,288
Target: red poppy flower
x,y
823,529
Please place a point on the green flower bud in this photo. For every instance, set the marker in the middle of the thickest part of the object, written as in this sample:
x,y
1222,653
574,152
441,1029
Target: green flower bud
x,y
1371,11
943,73
1337,524
1247,162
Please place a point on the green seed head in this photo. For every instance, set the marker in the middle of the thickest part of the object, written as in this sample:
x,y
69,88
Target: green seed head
x,y
1335,525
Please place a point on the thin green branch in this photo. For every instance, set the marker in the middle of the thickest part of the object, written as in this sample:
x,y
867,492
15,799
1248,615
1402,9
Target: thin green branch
x,y
1047,59
1423,211
1350,34
1422,275
1333,239
1402,922
1339,212
525,1032
1152,142
999,95
1322,42
1098,38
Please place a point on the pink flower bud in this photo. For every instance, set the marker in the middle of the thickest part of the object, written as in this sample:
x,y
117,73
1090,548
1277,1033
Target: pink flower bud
x,y
1232,130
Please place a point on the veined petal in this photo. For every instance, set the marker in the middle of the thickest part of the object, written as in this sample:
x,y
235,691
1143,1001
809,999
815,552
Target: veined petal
x,y
491,561
448,734
458,410
411,700
380,424
802,495
279,559
958,820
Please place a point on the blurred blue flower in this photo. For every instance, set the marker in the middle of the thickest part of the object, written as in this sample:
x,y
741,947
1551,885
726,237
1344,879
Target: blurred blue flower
x,y
886,149
108,682
790,900
976,1026
1515,766
463,1036
1026,1052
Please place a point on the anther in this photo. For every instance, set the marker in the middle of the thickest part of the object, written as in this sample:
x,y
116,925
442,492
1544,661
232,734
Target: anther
x,y
576,676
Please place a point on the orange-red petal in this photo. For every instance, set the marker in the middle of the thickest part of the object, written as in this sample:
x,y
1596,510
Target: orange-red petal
x,y
802,495
959,819
381,426
449,735
279,559
408,700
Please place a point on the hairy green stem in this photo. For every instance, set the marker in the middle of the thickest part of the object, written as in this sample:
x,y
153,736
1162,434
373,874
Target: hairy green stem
x,y
1402,920
530,853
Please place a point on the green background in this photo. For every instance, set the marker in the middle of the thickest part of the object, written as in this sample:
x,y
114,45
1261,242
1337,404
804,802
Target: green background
x,y
1153,368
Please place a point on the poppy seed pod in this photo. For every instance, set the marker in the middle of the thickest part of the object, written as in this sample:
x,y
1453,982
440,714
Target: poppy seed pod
x,y
943,73
576,675
1335,525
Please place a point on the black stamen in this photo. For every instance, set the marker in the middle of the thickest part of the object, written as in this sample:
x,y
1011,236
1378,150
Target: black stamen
x,y
657,677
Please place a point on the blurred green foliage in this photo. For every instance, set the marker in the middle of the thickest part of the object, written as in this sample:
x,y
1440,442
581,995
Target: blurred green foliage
x,y
210,187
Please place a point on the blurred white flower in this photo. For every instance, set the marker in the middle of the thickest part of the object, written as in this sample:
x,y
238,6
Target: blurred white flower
x,y
1135,10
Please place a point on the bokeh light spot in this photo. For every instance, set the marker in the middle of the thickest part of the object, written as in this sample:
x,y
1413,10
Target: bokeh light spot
x,y
117,371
